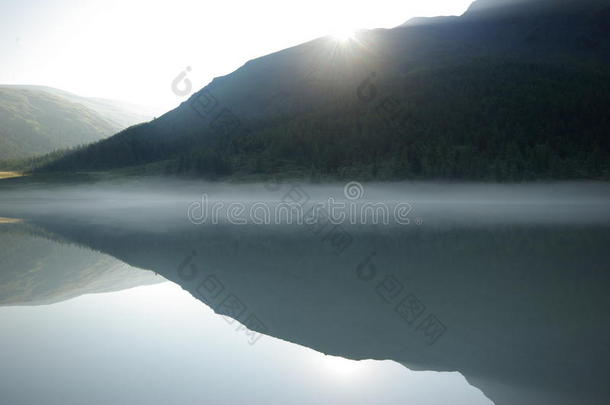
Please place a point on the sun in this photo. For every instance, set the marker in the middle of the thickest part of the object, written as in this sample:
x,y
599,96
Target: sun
x,y
343,34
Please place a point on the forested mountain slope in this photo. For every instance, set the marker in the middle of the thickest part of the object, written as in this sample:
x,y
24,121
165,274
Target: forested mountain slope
x,y
511,90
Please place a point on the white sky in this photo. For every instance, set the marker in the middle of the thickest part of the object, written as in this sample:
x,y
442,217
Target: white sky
x,y
133,49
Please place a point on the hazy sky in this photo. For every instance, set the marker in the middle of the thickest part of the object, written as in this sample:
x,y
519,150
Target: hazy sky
x,y
132,50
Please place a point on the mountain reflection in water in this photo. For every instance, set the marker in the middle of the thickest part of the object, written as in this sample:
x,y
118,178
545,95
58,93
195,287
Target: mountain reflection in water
x,y
159,345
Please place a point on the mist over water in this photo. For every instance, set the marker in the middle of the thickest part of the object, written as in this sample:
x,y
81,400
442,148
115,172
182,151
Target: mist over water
x,y
585,203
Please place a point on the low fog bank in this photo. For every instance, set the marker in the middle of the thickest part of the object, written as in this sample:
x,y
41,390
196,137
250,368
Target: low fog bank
x,y
164,203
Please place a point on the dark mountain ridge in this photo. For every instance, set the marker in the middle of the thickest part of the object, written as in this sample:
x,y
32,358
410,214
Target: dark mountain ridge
x,y
511,90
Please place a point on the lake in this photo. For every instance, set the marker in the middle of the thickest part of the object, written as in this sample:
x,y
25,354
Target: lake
x,y
171,291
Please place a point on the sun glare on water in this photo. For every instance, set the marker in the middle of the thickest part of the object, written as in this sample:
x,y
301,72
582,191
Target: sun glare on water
x,y
341,367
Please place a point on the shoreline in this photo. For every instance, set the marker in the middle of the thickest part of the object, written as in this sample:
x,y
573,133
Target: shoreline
x,y
10,175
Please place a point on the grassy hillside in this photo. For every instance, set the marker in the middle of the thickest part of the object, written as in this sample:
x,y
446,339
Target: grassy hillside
x,y
118,113
35,122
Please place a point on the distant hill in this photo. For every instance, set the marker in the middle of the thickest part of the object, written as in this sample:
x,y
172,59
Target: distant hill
x,y
37,120
119,113
511,90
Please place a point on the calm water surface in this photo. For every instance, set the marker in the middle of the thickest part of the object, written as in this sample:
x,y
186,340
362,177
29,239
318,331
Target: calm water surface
x,y
111,293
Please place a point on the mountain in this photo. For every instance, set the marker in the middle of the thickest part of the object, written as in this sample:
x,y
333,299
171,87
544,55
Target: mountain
x,y
37,120
502,9
510,90
429,20
119,113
